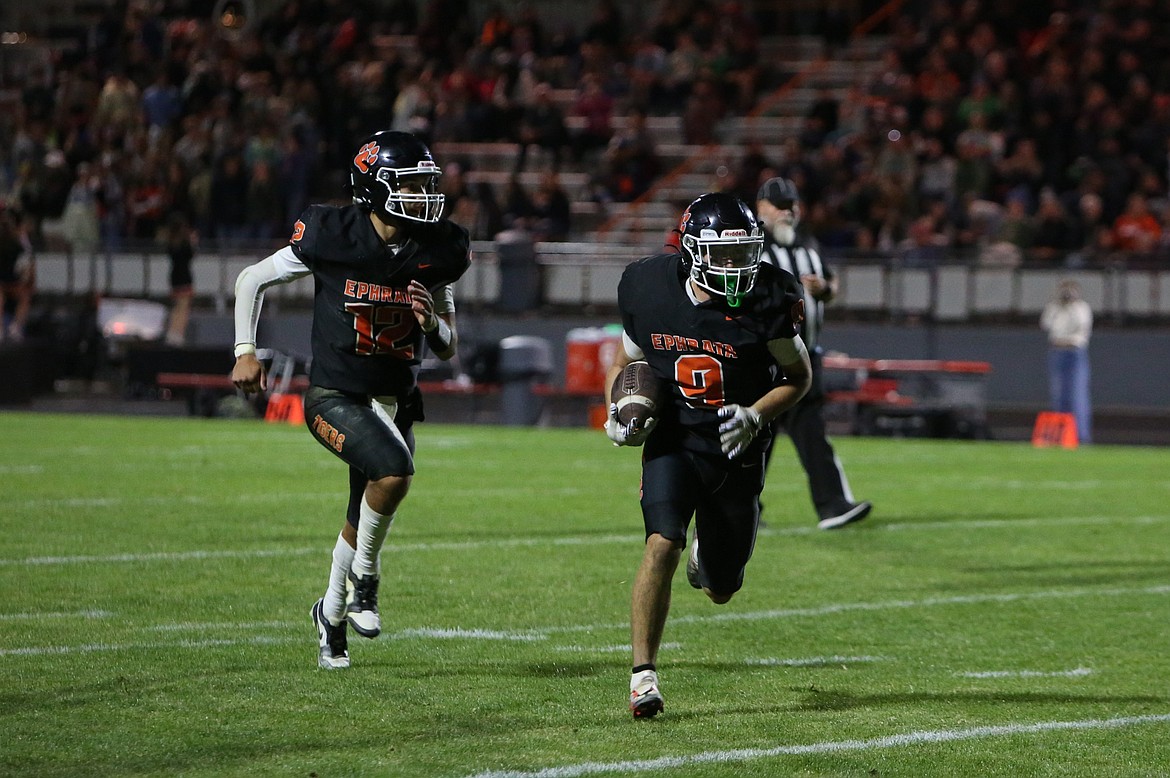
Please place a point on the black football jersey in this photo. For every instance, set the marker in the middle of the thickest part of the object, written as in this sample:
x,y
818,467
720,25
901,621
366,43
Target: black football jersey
x,y
709,355
365,338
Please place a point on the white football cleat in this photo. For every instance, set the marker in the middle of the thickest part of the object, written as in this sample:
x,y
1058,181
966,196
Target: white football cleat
x,y
645,699
361,605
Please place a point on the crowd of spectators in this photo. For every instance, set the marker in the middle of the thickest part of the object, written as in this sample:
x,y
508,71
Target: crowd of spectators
x,y
1025,134
156,109
1010,134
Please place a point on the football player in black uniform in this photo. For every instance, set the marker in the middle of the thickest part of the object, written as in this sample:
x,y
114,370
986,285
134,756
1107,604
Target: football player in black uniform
x,y
721,331
778,206
382,270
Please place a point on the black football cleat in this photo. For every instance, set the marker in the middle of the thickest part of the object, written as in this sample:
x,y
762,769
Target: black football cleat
x,y
333,651
854,514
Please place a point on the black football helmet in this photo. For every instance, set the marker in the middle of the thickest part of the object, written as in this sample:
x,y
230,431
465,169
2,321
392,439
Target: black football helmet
x,y
721,242
394,175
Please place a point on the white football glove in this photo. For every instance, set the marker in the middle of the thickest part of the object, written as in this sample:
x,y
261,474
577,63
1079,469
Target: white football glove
x,y
627,434
735,434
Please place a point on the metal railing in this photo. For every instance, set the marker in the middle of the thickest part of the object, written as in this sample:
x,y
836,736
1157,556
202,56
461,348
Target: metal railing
x,y
583,277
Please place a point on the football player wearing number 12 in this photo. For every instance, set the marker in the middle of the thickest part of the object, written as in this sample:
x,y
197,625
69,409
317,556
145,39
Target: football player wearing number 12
x,y
721,332
382,269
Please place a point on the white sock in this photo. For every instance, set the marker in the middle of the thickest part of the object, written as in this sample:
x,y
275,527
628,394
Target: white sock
x,y
371,534
334,605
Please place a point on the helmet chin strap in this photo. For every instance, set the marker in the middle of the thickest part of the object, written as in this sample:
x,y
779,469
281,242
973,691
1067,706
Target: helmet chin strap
x,y
734,300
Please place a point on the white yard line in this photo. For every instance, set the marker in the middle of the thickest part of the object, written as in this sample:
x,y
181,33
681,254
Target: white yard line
x,y
90,648
162,556
38,615
544,633
620,648
741,755
297,498
459,633
190,499
571,540
1076,672
21,469
195,626
812,661
968,599
967,524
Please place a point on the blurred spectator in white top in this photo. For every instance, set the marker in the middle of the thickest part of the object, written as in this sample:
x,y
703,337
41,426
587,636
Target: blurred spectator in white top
x,y
1068,320
80,219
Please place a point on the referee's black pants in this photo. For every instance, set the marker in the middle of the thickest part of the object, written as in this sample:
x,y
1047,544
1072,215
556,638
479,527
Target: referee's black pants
x,y
804,423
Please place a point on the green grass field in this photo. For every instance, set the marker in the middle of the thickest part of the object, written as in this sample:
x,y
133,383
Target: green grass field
x,y
1005,611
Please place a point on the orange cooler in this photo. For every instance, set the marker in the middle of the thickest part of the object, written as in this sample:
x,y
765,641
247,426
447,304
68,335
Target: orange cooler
x,y
588,352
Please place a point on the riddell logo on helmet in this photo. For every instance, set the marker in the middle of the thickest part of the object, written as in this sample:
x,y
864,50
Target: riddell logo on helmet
x,y
709,234
367,155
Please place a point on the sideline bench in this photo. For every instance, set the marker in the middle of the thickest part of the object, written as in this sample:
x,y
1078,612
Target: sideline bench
x,y
923,397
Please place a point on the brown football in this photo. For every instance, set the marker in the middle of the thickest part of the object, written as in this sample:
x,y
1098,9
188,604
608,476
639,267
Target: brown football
x,y
637,392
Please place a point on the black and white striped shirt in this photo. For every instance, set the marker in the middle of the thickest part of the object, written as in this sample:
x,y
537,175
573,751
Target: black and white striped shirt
x,y
800,261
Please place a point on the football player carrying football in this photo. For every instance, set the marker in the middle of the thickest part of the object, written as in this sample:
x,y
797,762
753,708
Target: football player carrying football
x,y
721,332
382,269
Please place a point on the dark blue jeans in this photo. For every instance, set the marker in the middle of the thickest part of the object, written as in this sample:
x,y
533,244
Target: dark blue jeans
x,y
1068,387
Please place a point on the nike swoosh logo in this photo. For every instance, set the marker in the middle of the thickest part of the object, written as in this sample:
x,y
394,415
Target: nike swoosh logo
x,y
423,266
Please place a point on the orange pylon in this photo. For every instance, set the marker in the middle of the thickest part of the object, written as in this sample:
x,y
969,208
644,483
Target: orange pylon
x,y
1054,429
285,408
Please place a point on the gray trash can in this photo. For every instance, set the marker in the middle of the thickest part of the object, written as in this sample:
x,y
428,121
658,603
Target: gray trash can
x,y
525,361
519,272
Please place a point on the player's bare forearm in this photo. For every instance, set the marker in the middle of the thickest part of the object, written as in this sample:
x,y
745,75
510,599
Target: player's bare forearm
x,y
797,380
777,401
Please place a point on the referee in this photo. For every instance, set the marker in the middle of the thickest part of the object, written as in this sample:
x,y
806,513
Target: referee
x,y
778,207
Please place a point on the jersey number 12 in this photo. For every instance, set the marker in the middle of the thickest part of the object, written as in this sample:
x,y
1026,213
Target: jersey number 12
x,y
382,329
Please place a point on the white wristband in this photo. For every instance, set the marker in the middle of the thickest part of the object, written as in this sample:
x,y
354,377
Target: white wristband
x,y
245,348
439,339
